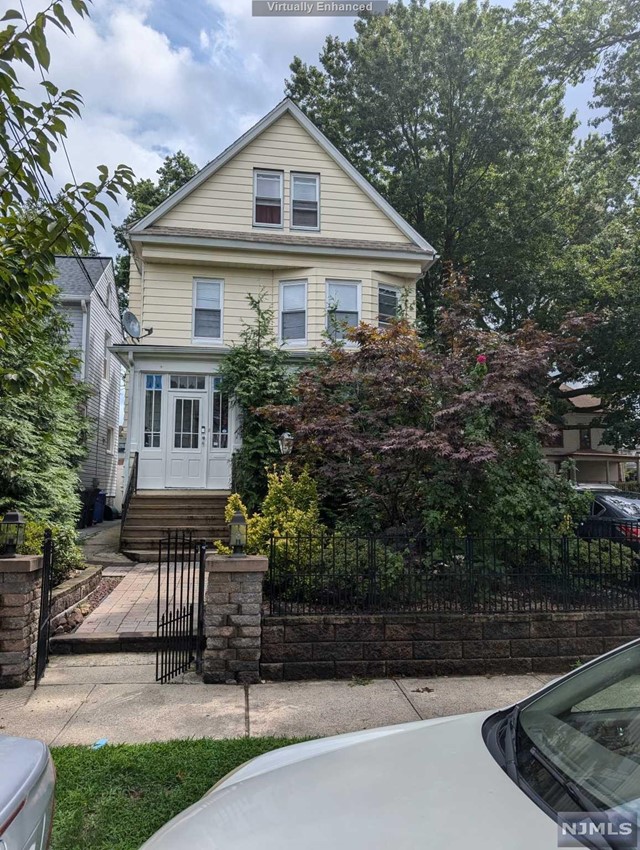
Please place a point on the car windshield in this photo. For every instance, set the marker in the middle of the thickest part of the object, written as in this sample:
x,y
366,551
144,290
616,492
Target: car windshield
x,y
625,506
580,741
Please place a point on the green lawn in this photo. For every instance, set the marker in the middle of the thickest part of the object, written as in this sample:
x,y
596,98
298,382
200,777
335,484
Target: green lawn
x,y
116,797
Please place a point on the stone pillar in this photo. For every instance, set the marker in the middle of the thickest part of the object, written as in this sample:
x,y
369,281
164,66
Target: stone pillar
x,y
232,619
20,584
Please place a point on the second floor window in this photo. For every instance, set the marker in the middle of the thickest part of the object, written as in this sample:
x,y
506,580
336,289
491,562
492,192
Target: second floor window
x,y
207,312
293,311
343,307
267,208
304,201
388,298
585,438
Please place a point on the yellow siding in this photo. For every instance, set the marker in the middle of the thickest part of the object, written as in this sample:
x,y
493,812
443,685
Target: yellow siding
x,y
168,295
225,201
135,290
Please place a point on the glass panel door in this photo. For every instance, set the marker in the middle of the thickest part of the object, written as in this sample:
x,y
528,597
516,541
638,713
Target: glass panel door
x,y
186,433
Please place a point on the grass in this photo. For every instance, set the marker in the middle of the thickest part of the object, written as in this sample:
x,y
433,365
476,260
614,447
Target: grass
x,y
116,797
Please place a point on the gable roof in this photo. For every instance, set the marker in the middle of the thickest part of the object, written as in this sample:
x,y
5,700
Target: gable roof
x,y
78,276
285,106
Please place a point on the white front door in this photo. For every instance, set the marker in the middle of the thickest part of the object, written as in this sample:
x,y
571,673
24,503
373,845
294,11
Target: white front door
x,y
187,449
220,439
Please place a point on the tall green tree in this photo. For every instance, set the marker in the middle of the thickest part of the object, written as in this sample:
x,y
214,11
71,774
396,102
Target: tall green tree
x,y
42,431
443,109
145,195
35,225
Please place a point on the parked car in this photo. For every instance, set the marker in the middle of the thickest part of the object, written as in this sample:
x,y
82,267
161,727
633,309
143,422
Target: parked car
x,y
487,781
27,781
614,514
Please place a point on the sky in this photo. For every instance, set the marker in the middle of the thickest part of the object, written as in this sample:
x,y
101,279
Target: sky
x,y
159,76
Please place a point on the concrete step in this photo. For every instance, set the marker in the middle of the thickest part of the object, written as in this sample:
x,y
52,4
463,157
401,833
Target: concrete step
x,y
149,540
196,499
146,556
177,516
159,529
175,521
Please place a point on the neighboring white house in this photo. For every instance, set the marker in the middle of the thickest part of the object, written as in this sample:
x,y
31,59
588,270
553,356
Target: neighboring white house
x,y
280,211
90,303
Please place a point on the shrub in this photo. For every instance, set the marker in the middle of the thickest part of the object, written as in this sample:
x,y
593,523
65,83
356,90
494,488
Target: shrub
x,y
290,509
68,555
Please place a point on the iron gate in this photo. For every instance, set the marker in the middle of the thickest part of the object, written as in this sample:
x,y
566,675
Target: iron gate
x,y
44,622
180,621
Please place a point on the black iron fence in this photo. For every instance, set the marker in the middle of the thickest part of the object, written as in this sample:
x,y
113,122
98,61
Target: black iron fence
x,y
595,568
180,604
44,619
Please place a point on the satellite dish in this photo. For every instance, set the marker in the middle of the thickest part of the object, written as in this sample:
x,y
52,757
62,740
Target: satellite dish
x,y
131,324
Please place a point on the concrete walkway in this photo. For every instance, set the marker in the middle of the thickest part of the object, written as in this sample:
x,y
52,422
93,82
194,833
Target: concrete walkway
x,y
85,698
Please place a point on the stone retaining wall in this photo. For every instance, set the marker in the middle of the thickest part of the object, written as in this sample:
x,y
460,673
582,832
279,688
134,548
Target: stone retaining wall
x,y
72,592
326,647
20,585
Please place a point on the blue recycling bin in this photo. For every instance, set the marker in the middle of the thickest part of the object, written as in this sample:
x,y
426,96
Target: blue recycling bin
x,y
98,508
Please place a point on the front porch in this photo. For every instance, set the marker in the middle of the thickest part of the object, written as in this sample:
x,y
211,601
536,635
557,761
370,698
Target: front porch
x,y
593,466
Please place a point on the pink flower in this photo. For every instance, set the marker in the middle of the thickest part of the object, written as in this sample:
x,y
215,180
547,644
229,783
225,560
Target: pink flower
x,y
481,358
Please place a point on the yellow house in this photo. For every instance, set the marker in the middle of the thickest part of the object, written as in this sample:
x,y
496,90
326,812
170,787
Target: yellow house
x,y
281,212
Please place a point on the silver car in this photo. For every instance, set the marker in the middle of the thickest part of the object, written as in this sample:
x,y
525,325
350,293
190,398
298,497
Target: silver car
x,y
27,782
563,764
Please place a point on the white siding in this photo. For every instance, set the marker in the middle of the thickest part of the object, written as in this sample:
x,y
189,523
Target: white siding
x,y
103,407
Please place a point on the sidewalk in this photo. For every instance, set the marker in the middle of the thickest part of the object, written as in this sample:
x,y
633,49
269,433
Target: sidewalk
x,y
86,698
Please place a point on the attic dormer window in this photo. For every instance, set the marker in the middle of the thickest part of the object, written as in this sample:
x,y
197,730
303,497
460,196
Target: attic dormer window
x,y
267,192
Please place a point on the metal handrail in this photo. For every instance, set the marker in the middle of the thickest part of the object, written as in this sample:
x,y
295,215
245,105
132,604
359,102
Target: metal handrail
x,y
132,489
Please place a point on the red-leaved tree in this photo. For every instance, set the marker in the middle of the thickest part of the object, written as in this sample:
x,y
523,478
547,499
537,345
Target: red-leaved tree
x,y
383,421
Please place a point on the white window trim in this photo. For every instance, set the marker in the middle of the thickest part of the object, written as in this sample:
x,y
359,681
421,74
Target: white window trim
x,y
108,450
256,172
303,174
391,288
358,285
204,340
106,357
163,405
294,343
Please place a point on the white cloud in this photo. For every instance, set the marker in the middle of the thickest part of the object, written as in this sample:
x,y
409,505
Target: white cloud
x,y
156,77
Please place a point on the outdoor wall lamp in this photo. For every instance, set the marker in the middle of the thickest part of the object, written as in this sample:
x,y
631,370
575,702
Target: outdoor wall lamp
x,y
238,528
11,534
286,443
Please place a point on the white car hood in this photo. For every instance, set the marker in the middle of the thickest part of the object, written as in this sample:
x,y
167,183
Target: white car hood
x,y
431,784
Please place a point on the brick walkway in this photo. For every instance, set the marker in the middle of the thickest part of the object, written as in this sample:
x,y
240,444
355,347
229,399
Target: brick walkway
x,y
131,607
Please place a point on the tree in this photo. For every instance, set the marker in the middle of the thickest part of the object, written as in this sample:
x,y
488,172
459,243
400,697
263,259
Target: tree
x,y
35,225
572,39
599,268
441,107
145,195
254,374
401,432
